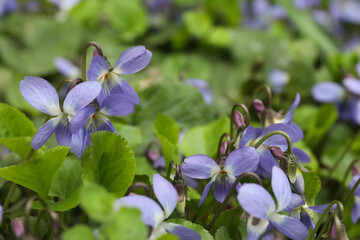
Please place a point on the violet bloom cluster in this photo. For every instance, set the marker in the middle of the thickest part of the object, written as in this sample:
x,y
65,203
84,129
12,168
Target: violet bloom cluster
x,y
8,6
345,96
265,214
222,174
154,215
86,106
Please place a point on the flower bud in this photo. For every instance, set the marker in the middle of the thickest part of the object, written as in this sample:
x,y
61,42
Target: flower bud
x,y
276,152
223,147
18,227
181,188
258,105
355,170
239,119
95,52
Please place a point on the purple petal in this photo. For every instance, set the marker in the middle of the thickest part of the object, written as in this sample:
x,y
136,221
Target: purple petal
x,y
199,166
78,143
44,133
132,60
290,227
306,220
125,88
278,79
117,105
355,110
249,135
267,161
352,85
302,156
166,194
321,208
66,68
222,186
355,210
151,212
328,92
295,202
299,132
255,231
183,233
279,139
63,134
80,96
295,103
299,184
281,188
242,160
205,192
97,69
41,95
255,200
352,184
80,118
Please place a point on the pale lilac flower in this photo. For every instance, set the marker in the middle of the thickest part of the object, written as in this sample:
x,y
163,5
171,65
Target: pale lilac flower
x,y
278,80
93,117
43,96
153,215
346,11
67,68
355,211
203,87
8,6
130,61
256,201
223,175
65,5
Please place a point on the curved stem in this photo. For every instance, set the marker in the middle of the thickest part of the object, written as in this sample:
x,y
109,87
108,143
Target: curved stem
x,y
352,192
247,117
9,195
325,214
345,177
268,90
232,189
319,236
341,157
139,185
227,150
62,83
83,61
288,140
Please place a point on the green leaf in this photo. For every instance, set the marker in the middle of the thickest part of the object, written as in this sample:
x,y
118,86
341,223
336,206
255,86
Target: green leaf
x,y
37,174
167,131
79,231
128,17
127,225
131,134
321,123
60,205
97,202
222,234
205,235
204,139
232,220
312,185
111,163
20,145
168,237
11,119
198,23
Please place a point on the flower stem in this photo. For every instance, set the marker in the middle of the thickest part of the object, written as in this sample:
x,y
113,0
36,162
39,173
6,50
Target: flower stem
x,y
9,195
345,177
83,62
139,185
352,192
288,140
341,157
325,213
268,90
232,189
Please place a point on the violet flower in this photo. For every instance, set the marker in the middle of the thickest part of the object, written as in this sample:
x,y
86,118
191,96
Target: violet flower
x,y
278,80
355,211
67,68
43,96
130,61
203,87
300,210
345,11
94,118
252,135
8,6
224,174
256,201
153,215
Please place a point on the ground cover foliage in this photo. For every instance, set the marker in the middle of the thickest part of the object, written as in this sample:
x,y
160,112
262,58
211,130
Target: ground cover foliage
x,y
179,119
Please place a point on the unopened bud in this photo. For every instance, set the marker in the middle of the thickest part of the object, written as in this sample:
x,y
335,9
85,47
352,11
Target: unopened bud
x,y
355,170
239,119
338,230
276,151
181,188
258,105
18,227
95,52
152,155
223,147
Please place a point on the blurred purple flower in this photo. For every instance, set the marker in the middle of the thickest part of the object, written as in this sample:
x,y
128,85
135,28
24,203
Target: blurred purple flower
x,y
278,80
8,6
304,4
355,211
203,88
67,68
153,215
43,96
346,11
224,174
256,201
130,61
65,5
